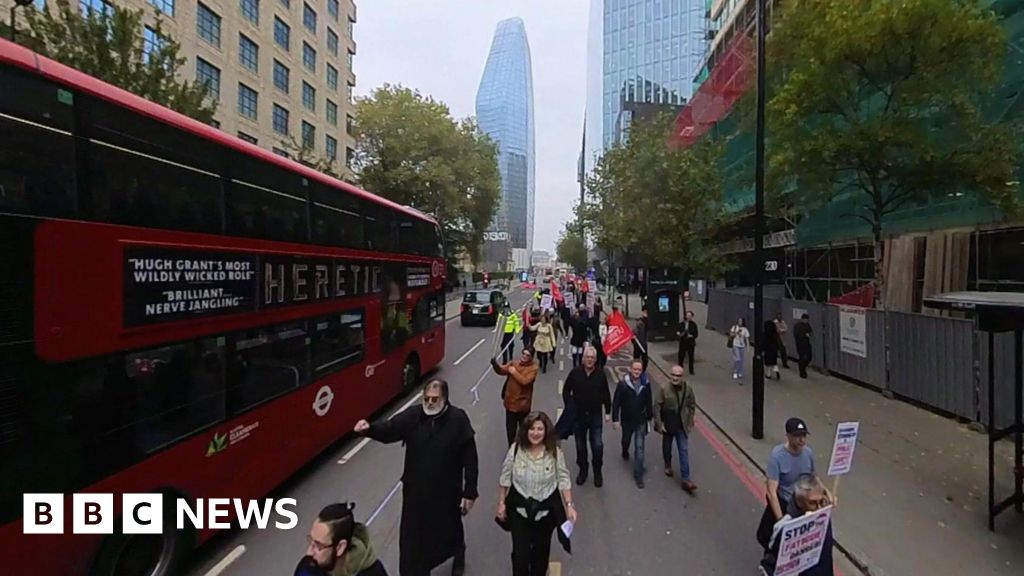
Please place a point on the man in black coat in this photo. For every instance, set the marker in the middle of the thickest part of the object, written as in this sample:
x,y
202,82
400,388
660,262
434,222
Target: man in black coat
x,y
802,333
633,404
687,333
586,389
439,483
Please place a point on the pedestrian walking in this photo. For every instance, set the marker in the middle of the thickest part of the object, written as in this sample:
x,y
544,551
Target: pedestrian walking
x,y
439,480
517,392
687,334
802,333
782,329
544,341
785,464
739,338
586,387
633,404
337,545
578,340
510,328
770,351
809,496
640,338
675,406
535,494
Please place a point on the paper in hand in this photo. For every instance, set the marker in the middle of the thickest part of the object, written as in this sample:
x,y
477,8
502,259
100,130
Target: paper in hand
x,y
567,528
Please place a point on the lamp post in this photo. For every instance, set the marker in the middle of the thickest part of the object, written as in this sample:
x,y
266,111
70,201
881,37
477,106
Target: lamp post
x,y
757,405
14,14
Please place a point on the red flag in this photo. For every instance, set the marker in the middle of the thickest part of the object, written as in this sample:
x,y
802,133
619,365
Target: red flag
x,y
556,293
619,334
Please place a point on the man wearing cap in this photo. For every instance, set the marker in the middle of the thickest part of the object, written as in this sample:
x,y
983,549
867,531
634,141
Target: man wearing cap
x,y
786,463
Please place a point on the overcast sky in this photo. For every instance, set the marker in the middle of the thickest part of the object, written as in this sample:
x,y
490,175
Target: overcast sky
x,y
440,47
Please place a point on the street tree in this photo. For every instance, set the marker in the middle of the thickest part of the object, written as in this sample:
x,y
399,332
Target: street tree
x,y
571,247
410,150
659,201
880,102
304,153
110,45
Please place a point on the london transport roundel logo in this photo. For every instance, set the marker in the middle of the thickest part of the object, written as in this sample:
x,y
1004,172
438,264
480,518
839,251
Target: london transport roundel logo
x,y
324,399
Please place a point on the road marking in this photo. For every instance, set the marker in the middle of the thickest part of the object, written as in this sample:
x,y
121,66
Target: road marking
x,y
351,453
381,506
561,365
468,352
413,400
560,384
226,561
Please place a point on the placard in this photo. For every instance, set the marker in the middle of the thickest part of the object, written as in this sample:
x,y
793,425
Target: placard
x,y
570,301
853,331
843,447
545,302
802,541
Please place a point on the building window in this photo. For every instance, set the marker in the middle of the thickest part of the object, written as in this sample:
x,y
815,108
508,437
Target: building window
x,y
209,75
349,93
251,11
281,152
351,59
350,156
332,9
351,28
309,97
309,18
308,135
350,124
247,101
332,77
286,3
280,119
308,57
165,6
151,42
281,74
282,34
208,25
332,148
95,7
248,53
247,138
332,42
332,113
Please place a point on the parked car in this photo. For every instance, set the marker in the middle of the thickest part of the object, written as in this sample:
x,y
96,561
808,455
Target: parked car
x,y
481,307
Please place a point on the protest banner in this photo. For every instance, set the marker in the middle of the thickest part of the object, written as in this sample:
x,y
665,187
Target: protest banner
x,y
802,541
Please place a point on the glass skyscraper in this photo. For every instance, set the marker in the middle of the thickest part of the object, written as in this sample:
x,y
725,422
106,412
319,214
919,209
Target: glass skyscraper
x,y
504,109
651,50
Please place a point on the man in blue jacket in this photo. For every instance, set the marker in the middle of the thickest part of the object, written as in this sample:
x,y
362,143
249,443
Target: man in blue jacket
x,y
634,405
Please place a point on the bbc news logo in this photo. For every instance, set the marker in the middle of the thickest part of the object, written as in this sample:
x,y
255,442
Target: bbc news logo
x,y
144,513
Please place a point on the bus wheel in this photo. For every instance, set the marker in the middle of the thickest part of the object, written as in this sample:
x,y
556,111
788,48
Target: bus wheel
x,y
145,554
410,374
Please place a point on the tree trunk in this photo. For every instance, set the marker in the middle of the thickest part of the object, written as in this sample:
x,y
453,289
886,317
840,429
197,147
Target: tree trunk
x,y
876,230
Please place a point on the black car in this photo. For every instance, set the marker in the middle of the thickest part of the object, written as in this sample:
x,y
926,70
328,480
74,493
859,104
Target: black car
x,y
481,307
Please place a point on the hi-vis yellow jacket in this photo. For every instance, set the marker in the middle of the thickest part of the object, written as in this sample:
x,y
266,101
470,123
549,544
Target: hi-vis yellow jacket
x,y
513,324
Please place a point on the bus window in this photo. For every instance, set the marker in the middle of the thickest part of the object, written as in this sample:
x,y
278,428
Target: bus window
x,y
265,363
337,342
409,241
37,174
336,218
128,188
379,231
36,99
261,213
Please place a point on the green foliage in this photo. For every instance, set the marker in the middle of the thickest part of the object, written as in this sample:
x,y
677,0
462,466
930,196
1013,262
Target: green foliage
x,y
658,201
571,247
409,149
109,46
879,100
307,155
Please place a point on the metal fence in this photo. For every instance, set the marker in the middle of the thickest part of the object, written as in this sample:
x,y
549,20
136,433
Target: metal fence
x,y
937,361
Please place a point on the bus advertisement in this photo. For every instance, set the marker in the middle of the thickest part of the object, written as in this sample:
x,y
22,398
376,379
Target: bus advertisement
x,y
183,314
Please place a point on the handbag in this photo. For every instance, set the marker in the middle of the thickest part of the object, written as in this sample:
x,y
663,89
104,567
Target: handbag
x,y
728,339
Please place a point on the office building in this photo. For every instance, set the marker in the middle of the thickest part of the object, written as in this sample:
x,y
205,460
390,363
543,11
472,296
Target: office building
x,y
278,69
504,109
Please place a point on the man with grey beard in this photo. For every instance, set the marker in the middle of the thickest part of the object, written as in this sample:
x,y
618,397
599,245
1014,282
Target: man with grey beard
x,y
439,484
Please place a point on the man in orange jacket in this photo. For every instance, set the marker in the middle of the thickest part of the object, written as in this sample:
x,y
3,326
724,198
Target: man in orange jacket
x,y
518,389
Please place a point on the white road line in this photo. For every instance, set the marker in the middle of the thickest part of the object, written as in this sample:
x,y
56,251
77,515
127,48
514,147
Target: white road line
x,y
561,365
351,453
413,400
468,352
560,384
384,503
226,561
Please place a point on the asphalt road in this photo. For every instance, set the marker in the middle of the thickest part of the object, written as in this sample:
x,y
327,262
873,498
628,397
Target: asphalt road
x,y
622,530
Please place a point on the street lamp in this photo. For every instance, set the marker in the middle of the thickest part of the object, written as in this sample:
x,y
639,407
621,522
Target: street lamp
x,y
14,7
757,405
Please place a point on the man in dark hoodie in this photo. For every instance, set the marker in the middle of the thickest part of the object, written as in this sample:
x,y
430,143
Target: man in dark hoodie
x,y
634,403
340,546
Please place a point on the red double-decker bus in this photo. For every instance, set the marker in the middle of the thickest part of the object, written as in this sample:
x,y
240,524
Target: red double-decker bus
x,y
182,312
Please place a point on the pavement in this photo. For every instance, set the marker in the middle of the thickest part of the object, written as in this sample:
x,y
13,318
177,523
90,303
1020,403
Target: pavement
x,y
916,499
622,530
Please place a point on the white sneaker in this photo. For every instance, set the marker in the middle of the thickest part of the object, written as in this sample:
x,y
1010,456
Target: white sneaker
x,y
734,376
